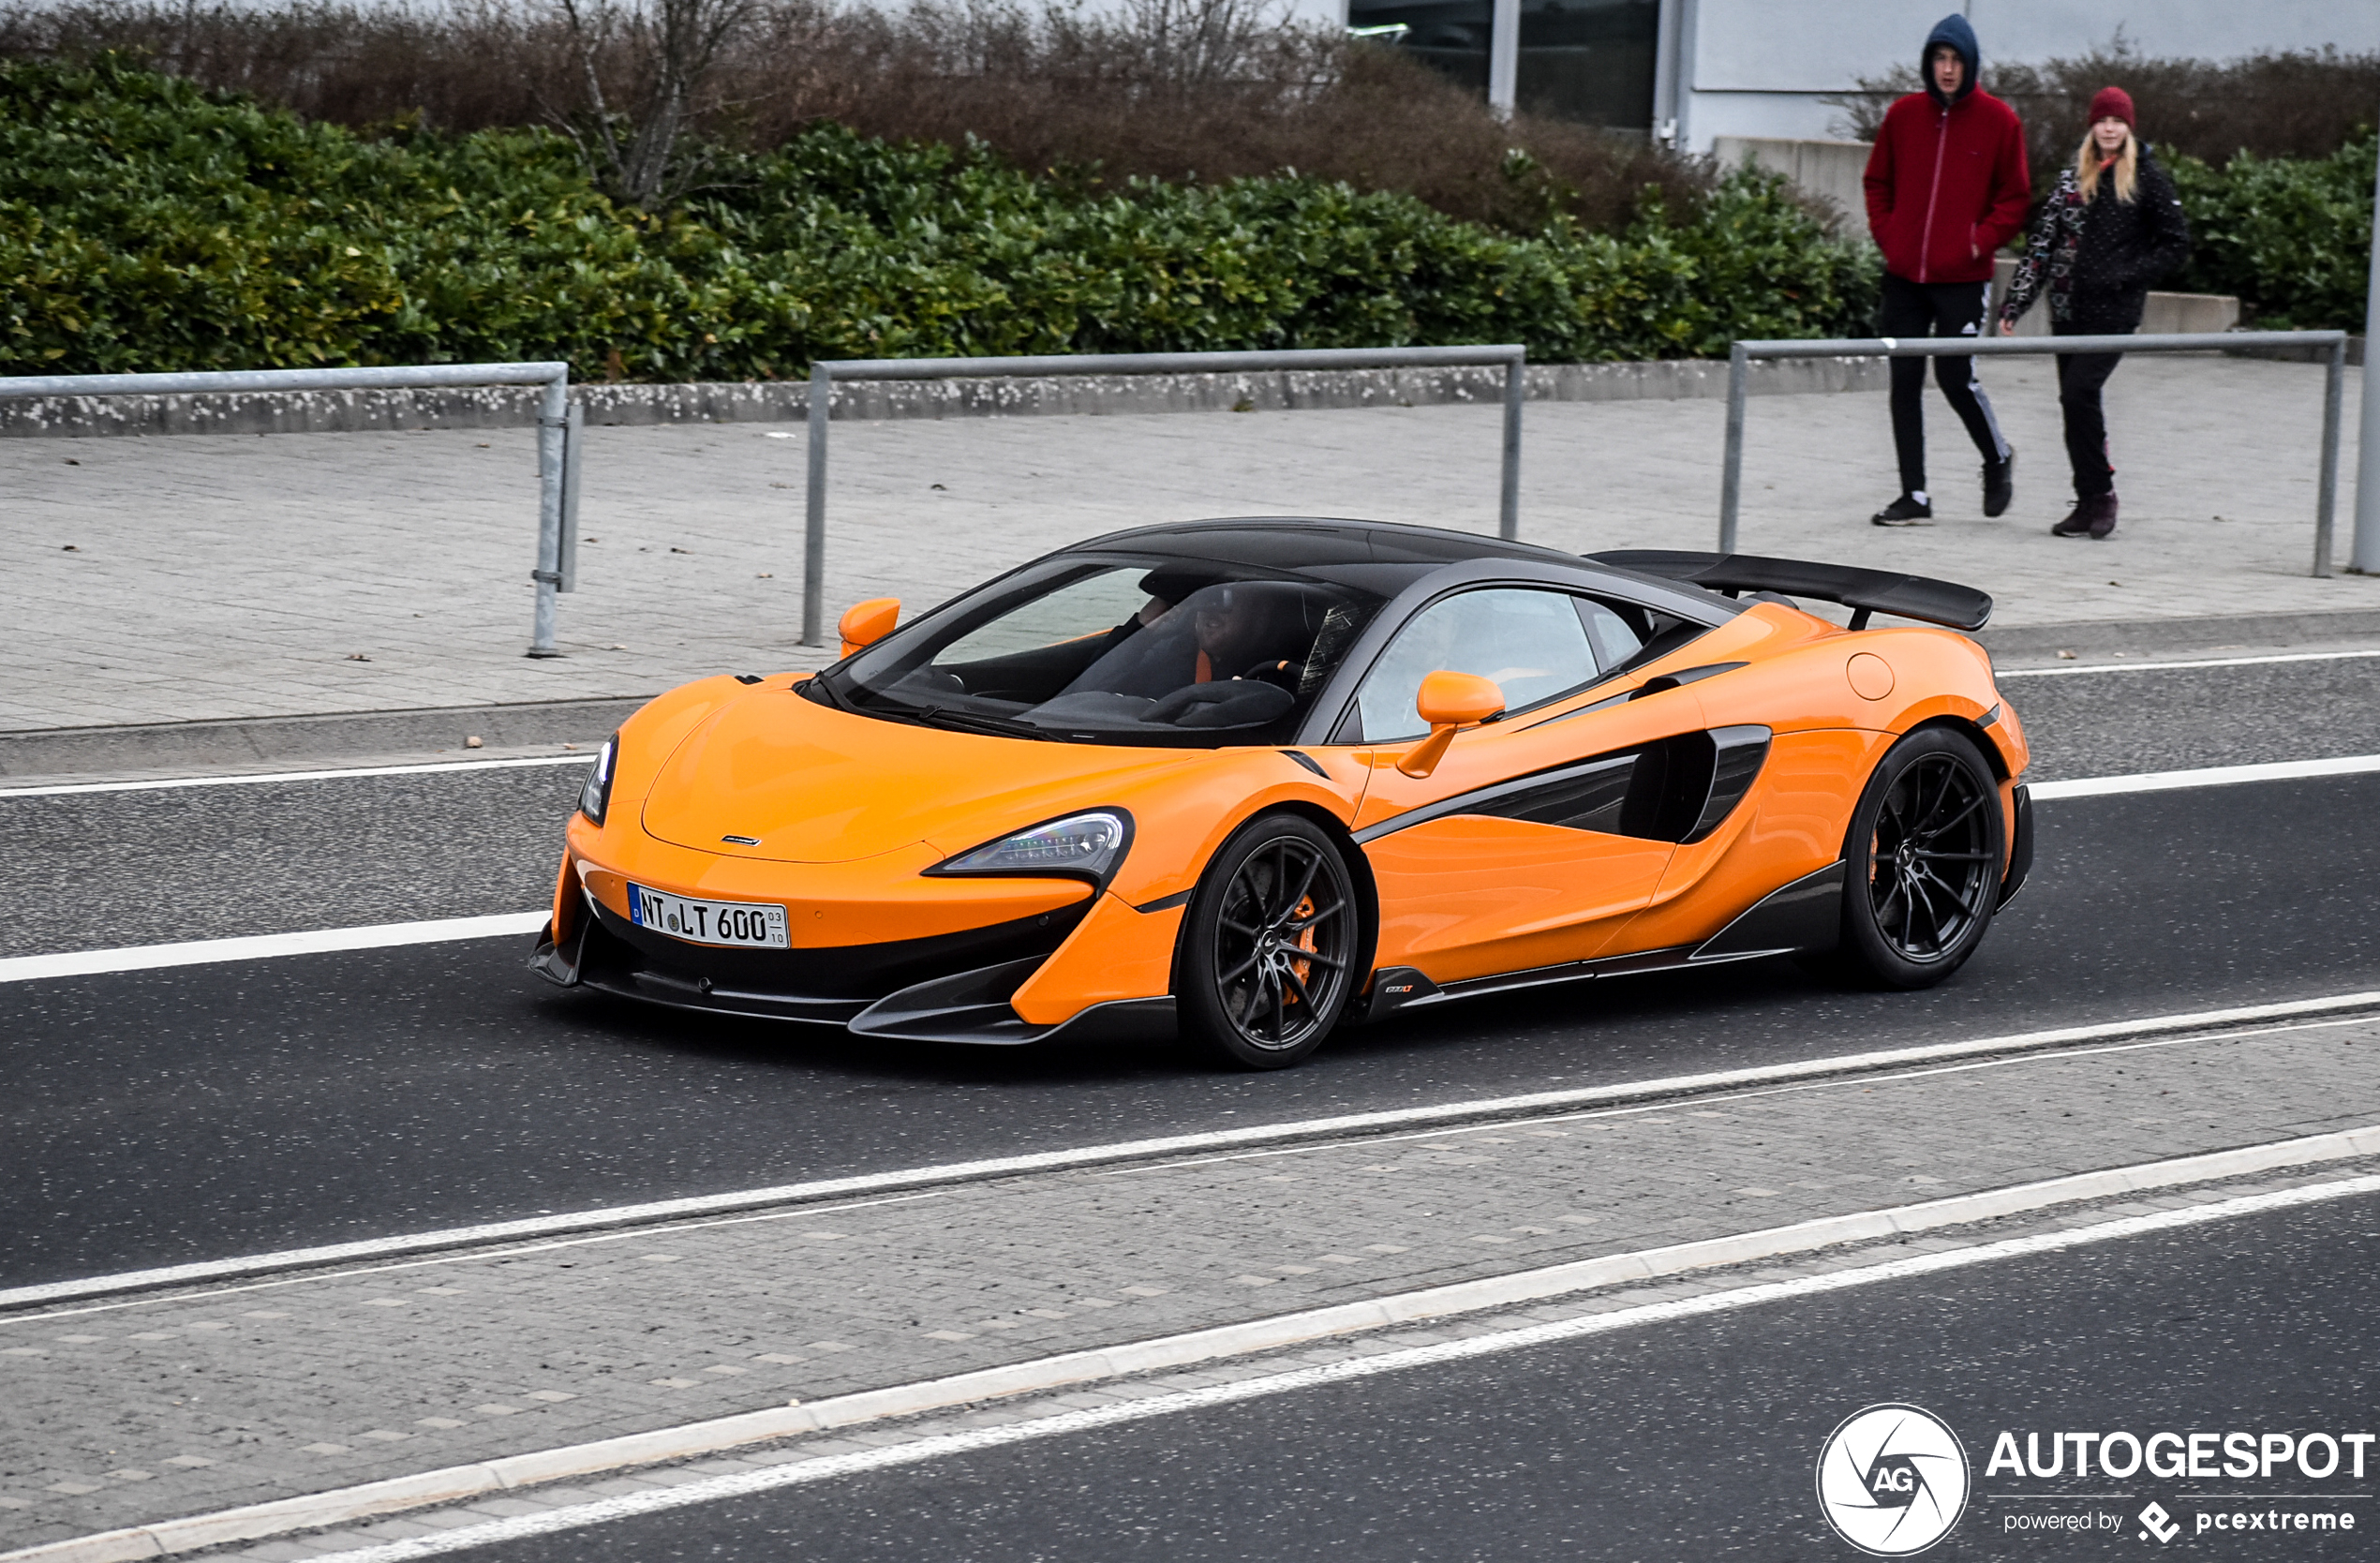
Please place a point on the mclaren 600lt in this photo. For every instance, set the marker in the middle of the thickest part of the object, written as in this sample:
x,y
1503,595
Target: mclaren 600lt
x,y
1252,780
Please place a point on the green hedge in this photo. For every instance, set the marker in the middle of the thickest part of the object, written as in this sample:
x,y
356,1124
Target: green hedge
x,y
148,224
2291,236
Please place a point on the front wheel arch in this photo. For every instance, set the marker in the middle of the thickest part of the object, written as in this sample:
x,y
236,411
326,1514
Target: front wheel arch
x,y
1367,887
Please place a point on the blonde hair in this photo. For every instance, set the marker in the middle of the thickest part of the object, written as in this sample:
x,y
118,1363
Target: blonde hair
x,y
2086,163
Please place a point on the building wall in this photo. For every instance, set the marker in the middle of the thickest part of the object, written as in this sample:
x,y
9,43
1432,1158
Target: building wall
x,y
1757,68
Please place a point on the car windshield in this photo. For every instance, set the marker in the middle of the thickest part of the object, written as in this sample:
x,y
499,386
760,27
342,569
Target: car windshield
x,y
1116,649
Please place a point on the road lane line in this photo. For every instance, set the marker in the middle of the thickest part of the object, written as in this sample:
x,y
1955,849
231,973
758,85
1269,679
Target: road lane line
x,y
27,968
257,947
1532,1103
169,784
2210,776
2164,667
1075,1369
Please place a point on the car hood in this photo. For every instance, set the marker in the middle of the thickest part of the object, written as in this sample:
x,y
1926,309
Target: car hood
x,y
817,785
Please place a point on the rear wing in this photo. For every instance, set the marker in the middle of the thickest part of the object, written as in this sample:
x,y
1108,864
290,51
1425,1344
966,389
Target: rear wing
x,y
1864,591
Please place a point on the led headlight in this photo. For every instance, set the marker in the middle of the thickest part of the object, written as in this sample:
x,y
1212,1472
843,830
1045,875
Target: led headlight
x,y
1079,846
596,796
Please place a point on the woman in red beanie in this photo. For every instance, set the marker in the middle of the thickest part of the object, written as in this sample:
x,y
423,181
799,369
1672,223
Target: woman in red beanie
x,y
2113,226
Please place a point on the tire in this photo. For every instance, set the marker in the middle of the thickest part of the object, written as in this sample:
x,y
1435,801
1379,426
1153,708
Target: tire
x,y
1925,853
1269,946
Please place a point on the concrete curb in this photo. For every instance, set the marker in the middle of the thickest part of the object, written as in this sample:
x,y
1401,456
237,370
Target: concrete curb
x,y
275,741
1539,1106
691,1440
788,401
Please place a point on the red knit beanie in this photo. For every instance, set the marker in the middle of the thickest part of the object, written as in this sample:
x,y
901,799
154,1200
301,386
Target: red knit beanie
x,y
2113,103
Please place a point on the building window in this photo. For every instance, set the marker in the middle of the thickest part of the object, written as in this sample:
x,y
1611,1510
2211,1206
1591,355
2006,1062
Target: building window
x,y
1587,61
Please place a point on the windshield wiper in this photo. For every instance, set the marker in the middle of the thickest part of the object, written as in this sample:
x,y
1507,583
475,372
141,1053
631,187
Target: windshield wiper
x,y
971,721
818,681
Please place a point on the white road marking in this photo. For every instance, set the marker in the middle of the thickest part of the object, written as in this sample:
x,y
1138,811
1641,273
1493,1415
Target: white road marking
x,y
2211,776
169,782
2163,667
27,968
1096,1418
1169,1145
259,947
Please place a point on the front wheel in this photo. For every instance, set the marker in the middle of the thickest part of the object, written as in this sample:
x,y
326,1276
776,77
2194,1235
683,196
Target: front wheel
x,y
1269,945
1925,851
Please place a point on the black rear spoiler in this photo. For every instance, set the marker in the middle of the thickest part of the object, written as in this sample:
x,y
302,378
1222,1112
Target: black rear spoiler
x,y
1864,591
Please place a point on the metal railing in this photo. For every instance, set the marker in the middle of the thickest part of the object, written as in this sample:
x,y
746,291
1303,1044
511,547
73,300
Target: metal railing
x,y
2327,494
823,374
558,424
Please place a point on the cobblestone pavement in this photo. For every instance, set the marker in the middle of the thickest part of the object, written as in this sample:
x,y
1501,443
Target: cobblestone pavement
x,y
138,1411
182,578
1180,1387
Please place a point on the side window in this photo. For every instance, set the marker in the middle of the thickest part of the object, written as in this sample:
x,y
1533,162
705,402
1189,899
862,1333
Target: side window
x,y
1616,641
1531,644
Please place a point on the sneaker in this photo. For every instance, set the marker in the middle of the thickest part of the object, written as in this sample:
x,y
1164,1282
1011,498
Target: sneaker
x,y
1905,512
2092,518
2000,484
2103,519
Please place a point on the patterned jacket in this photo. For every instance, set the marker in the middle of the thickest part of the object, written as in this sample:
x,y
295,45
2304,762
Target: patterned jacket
x,y
2100,257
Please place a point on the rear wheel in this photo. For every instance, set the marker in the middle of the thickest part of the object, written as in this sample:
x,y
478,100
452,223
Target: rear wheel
x,y
1269,945
1925,851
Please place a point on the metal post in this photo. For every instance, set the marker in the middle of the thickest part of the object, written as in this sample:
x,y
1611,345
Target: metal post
x,y
2327,490
1508,525
553,423
574,446
1504,57
813,558
2365,560
1730,480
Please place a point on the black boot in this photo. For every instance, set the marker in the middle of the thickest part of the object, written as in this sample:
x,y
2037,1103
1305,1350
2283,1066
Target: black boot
x,y
1907,511
2000,484
2094,516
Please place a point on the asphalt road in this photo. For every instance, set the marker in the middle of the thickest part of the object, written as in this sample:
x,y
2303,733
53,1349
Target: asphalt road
x,y
156,1117
1693,1438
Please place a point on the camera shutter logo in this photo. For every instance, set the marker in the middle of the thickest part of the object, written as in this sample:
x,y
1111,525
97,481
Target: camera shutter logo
x,y
1892,1480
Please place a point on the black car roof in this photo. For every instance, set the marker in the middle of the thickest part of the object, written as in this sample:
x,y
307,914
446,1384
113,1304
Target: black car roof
x,y
1304,543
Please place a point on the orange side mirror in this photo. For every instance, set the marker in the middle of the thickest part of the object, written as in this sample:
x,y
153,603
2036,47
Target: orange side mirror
x,y
869,622
1449,702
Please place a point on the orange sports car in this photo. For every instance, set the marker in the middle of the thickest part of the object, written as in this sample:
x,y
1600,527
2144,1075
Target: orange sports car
x,y
1256,779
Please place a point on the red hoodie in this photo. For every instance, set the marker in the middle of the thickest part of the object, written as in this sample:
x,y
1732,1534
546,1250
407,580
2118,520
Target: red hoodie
x,y
1946,187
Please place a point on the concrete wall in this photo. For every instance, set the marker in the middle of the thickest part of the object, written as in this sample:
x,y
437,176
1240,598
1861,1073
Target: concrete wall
x,y
1757,68
788,401
1831,171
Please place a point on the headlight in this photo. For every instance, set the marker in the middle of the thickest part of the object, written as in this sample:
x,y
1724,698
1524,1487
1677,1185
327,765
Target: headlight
x,y
1079,846
596,796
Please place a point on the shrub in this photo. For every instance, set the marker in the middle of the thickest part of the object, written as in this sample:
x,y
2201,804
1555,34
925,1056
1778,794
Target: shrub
x,y
2292,236
1117,100
148,224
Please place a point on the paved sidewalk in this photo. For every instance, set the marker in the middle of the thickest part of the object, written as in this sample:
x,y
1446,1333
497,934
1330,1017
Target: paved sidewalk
x,y
174,579
133,1412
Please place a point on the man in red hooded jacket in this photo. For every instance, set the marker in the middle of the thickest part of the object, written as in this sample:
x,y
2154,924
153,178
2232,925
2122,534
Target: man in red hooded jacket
x,y
1947,186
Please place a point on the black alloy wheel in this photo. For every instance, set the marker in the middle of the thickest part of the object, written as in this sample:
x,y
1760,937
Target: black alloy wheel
x,y
1926,849
1269,945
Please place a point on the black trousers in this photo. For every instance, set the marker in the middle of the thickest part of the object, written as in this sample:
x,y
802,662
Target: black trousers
x,y
1937,309
2080,377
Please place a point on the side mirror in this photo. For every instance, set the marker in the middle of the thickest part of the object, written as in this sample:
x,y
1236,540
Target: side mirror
x,y
1449,702
869,622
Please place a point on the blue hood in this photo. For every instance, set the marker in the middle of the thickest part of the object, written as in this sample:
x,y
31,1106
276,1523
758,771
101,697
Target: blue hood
x,y
1951,30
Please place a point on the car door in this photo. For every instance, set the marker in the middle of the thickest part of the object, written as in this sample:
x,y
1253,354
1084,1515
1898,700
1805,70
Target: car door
x,y
1526,846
